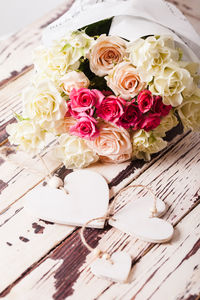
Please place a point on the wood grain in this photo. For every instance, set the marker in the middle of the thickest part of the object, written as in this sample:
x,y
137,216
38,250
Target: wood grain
x,y
71,254
48,260
16,51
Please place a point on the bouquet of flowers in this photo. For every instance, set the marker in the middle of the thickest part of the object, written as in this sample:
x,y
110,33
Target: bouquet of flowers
x,y
107,98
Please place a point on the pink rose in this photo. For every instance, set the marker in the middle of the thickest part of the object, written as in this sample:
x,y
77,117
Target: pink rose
x,y
106,53
71,112
85,128
111,109
132,116
84,100
150,122
159,107
74,80
124,80
145,101
113,143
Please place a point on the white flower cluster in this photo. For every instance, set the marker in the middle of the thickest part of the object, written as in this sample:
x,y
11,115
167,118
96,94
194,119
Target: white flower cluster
x,y
153,64
158,61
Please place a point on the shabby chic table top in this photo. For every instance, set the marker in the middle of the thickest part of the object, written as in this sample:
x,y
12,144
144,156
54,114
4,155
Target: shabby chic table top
x,y
43,260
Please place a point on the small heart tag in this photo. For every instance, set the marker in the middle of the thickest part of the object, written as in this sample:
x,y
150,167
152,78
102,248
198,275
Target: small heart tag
x,y
135,220
117,271
87,198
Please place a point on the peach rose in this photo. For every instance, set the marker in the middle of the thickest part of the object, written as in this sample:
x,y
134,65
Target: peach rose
x,y
106,53
113,144
74,80
125,81
65,125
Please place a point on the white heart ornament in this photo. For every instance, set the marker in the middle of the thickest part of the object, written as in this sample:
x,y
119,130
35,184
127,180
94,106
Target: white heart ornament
x,y
135,220
117,271
87,198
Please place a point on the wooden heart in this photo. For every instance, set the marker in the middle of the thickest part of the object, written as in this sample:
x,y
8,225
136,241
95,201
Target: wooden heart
x,y
135,220
87,198
117,271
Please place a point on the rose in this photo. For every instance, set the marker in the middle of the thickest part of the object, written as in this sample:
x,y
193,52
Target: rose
x,y
106,53
74,80
83,100
150,54
65,125
113,143
159,107
27,135
146,143
85,128
150,122
171,83
63,55
167,123
74,152
145,101
131,117
43,104
125,81
189,111
111,109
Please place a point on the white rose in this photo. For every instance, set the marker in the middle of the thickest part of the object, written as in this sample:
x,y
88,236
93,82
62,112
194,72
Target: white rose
x,y
74,152
171,82
62,56
167,123
43,104
189,112
151,53
27,135
74,80
145,144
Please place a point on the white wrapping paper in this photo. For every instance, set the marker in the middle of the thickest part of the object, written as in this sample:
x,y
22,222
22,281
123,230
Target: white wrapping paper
x,y
132,19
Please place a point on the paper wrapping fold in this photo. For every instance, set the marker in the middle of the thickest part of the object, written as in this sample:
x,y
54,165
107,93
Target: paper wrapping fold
x,y
132,19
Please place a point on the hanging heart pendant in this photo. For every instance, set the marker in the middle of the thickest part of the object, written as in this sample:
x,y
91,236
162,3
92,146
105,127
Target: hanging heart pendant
x,y
87,198
117,269
135,220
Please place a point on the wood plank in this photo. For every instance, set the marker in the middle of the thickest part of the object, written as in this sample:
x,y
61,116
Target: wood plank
x,y
19,179
167,271
16,51
170,177
188,8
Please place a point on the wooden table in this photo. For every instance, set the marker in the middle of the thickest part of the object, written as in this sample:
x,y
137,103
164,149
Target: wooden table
x,y
42,260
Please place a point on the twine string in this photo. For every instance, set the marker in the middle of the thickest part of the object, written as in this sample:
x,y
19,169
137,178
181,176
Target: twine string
x,y
110,215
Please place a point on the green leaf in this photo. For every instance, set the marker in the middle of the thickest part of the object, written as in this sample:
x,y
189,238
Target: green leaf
x,y
19,117
98,28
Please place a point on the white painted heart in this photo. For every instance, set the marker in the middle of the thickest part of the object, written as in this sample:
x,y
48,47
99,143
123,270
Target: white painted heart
x,y
117,271
87,199
135,220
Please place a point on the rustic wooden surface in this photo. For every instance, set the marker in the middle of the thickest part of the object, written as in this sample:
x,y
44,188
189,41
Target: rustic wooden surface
x,y
48,261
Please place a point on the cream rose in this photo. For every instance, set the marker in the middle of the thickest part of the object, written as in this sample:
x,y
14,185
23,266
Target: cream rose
x,y
63,56
106,53
189,112
124,80
171,83
113,144
74,80
27,135
74,152
146,143
151,53
43,104
167,123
